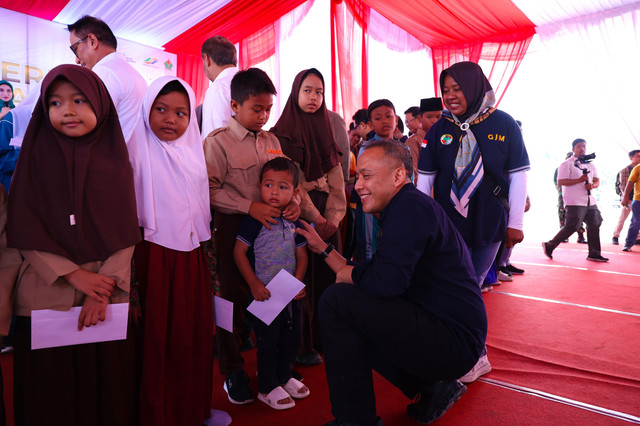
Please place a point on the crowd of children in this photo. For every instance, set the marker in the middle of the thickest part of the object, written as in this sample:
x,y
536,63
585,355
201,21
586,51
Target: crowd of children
x,y
97,222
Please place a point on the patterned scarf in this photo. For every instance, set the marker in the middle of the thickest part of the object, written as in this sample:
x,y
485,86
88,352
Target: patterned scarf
x,y
468,165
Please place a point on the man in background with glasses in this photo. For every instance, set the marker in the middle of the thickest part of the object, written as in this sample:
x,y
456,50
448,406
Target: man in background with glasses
x,y
94,45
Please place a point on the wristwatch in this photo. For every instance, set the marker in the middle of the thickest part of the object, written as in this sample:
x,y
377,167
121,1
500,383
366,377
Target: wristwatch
x,y
325,252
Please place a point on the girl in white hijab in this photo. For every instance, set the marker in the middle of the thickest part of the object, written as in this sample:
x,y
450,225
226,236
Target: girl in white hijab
x,y
172,194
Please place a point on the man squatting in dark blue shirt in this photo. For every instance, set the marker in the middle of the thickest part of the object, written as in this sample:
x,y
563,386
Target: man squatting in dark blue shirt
x,y
414,312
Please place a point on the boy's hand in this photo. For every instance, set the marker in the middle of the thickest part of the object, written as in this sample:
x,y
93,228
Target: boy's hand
x,y
259,291
96,286
291,211
92,312
264,213
301,295
314,242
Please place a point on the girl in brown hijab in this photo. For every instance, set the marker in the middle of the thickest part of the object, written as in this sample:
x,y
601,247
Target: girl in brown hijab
x,y
72,214
306,136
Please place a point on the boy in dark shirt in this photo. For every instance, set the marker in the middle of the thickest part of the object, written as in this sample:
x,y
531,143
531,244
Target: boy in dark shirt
x,y
272,249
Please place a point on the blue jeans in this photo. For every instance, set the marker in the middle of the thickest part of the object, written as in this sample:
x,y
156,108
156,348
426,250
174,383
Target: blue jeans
x,y
482,259
634,227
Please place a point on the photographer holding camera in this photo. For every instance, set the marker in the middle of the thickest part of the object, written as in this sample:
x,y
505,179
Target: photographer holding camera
x,y
578,177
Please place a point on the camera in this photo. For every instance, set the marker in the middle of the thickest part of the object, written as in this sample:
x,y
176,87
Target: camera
x,y
585,158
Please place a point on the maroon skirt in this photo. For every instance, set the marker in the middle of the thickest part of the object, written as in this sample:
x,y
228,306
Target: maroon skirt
x,y
177,341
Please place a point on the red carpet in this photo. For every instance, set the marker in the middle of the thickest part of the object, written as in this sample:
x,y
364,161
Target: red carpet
x,y
568,328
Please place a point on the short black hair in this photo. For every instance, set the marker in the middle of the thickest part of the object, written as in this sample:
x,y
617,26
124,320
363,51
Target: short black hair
x,y
173,86
396,150
251,82
414,110
352,126
576,142
90,25
282,164
634,152
361,116
220,50
377,104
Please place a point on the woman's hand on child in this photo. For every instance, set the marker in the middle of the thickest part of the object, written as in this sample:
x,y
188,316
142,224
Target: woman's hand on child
x,y
259,291
92,312
96,286
314,242
291,211
264,213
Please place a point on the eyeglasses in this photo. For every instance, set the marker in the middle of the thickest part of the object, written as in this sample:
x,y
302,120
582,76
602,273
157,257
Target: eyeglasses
x,y
74,46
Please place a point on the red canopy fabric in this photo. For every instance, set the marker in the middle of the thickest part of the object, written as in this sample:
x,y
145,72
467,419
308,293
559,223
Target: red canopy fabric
x,y
42,9
449,22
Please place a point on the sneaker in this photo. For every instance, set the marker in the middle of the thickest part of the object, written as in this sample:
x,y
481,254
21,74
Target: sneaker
x,y
236,385
626,248
514,270
7,349
434,400
311,358
597,258
614,241
582,240
504,277
547,251
481,368
485,288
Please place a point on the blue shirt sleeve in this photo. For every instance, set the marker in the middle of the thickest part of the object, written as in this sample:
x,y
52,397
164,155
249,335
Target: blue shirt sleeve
x,y
249,230
300,240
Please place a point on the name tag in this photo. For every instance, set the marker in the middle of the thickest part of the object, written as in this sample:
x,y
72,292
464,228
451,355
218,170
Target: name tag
x,y
274,151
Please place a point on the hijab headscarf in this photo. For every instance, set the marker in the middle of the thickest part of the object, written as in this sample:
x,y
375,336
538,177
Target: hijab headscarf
x,y
307,138
73,196
480,99
171,180
8,103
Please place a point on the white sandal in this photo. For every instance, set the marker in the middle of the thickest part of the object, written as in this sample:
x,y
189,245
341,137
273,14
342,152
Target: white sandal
x,y
272,398
294,388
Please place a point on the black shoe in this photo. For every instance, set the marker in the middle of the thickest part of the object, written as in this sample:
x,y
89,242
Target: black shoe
x,y
597,258
236,385
626,248
311,358
614,241
514,270
547,251
434,400
582,240
335,422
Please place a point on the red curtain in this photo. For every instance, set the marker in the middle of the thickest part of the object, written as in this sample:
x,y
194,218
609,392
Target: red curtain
x,y
503,53
349,56
241,21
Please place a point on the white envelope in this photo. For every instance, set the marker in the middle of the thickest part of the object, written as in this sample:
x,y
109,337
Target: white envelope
x,y
51,328
283,288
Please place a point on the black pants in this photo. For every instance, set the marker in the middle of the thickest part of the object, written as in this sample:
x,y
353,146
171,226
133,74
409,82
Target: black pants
x,y
402,341
575,215
278,345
